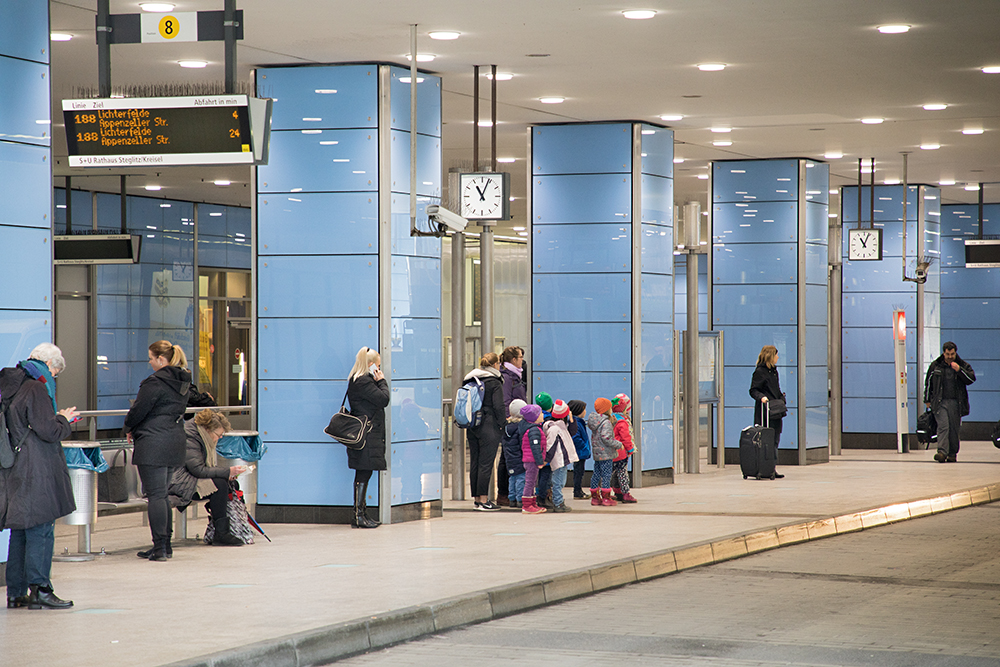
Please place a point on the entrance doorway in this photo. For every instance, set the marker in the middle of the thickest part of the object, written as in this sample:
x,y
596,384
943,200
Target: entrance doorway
x,y
224,339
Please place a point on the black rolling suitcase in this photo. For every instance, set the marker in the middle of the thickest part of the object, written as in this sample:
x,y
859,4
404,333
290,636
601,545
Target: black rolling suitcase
x,y
758,454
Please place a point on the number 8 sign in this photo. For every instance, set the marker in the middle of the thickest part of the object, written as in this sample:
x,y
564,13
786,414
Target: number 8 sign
x,y
175,27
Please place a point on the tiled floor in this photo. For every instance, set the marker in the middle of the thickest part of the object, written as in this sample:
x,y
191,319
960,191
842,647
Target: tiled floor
x,y
208,599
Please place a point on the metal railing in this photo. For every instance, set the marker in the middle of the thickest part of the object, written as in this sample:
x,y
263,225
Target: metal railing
x,y
92,415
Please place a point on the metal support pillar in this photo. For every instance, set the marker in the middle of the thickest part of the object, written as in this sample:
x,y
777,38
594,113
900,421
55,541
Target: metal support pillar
x,y
636,361
385,279
124,202
800,333
229,34
835,352
104,48
692,222
486,286
457,360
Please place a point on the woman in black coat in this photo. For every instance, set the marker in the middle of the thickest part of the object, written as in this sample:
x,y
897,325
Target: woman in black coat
x,y
36,490
368,395
485,438
764,386
155,426
201,477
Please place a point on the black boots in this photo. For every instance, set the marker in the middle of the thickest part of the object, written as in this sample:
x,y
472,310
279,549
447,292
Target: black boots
x,y
40,596
361,519
223,536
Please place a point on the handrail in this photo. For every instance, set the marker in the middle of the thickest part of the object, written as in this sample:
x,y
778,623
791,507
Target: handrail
x,y
119,413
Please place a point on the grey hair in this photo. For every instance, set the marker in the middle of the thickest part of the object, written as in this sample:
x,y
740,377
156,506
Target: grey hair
x,y
50,354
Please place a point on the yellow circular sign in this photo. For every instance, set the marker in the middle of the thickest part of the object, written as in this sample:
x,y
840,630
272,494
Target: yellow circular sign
x,y
169,27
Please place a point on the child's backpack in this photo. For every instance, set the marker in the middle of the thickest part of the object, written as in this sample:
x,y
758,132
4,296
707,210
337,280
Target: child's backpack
x,y
469,403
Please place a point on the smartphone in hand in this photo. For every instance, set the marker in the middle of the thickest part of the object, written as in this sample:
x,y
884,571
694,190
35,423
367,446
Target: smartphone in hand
x,y
373,368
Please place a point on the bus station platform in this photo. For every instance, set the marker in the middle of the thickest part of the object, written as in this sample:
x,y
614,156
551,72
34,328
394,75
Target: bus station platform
x,y
320,592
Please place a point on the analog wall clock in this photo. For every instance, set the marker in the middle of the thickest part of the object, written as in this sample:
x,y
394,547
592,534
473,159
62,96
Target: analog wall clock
x,y
485,196
864,244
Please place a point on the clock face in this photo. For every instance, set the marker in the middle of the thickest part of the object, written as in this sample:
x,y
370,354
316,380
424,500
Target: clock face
x,y
482,196
864,244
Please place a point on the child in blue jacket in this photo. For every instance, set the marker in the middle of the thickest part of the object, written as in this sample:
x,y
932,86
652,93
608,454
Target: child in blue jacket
x,y
512,433
582,441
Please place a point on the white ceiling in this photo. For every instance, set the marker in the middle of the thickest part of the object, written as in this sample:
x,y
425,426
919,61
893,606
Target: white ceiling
x,y
801,74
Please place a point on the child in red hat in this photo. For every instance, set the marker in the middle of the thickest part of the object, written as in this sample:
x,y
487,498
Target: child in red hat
x,y
621,405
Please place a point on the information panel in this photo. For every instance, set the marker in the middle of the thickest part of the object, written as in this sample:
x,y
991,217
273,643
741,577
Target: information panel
x,y
158,131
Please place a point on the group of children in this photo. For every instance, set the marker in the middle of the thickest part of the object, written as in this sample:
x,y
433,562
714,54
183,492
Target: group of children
x,y
541,440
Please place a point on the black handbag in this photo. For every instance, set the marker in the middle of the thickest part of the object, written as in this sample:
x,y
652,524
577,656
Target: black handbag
x,y
776,408
926,428
347,429
112,485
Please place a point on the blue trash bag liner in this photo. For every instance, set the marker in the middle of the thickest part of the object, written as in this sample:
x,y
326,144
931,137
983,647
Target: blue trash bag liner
x,y
85,458
245,447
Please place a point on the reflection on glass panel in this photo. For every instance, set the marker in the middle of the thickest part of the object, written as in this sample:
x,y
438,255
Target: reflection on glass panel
x,y
755,180
428,102
657,444
338,95
582,199
582,248
26,172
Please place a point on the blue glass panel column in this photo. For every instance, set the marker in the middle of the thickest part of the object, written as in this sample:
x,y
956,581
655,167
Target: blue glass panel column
x,y
336,270
25,186
601,202
769,287
871,291
970,310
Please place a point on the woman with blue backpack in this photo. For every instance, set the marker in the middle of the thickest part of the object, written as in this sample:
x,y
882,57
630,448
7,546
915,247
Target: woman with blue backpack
x,y
483,435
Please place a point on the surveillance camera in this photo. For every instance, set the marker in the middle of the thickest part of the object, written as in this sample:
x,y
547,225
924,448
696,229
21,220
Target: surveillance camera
x,y
445,218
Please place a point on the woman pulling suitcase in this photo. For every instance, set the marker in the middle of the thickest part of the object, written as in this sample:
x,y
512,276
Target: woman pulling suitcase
x,y
764,387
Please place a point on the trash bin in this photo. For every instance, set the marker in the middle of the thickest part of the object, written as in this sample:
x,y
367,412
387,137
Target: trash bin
x,y
243,448
83,468
84,460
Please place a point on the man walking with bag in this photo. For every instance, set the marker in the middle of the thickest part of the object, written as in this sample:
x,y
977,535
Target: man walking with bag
x,y
946,395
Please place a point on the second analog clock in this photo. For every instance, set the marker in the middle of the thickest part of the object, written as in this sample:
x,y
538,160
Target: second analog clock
x,y
864,244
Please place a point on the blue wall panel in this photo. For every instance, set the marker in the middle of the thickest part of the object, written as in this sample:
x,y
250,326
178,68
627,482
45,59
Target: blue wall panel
x,y
584,386
298,473
428,103
557,297
311,401
762,180
657,200
597,148
281,342
771,305
581,199
21,331
318,286
428,164
318,223
22,268
596,346
329,161
657,249
304,92
416,471
757,222
755,263
24,33
658,444
657,153
416,350
27,121
25,172
581,248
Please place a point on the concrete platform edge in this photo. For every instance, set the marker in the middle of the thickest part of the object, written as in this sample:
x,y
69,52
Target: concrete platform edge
x,y
328,644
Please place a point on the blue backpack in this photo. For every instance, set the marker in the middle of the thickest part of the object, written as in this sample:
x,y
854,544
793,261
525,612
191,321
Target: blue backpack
x,y
469,404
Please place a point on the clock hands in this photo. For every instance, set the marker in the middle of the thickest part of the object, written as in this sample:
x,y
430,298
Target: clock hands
x,y
482,193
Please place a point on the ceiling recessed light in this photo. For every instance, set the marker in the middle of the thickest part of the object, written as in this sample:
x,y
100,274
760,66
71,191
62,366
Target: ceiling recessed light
x,y
678,160
522,233
702,177
551,100
153,188
833,155
639,14
947,181
156,6
935,107
444,35
929,147
972,187
972,130
422,57
501,76
893,29
872,121
506,160
518,229
712,67
671,117
722,142
722,129
60,36
891,181
222,182
831,215
485,123
991,69
192,64
406,79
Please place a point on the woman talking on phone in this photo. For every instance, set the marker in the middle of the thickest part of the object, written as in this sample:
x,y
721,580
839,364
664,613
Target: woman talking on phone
x,y
368,395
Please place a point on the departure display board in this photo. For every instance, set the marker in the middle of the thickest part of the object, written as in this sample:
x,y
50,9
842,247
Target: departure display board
x,y
158,131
